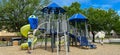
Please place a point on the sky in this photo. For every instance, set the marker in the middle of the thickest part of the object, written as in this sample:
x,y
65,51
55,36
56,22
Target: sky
x,y
103,4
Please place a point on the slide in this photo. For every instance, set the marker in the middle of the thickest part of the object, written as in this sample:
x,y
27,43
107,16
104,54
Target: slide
x,y
73,36
24,31
83,41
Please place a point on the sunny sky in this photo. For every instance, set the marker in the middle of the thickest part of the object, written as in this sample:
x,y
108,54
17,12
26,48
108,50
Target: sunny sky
x,y
103,4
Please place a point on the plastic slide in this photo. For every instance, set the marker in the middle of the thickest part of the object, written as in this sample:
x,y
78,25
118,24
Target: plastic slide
x,y
24,31
83,41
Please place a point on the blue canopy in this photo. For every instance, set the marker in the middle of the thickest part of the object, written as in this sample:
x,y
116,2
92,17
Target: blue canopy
x,y
53,7
78,18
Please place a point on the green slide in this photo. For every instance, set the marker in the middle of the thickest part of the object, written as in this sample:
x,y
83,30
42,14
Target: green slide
x,y
24,31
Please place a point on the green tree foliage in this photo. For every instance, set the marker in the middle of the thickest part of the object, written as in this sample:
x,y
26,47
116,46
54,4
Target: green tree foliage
x,y
102,20
15,13
99,19
2,4
74,8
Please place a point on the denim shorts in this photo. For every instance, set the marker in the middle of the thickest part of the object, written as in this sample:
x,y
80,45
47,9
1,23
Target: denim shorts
x,y
29,44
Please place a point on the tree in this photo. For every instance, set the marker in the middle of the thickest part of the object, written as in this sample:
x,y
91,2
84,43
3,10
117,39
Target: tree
x,y
2,4
114,20
15,13
74,8
99,19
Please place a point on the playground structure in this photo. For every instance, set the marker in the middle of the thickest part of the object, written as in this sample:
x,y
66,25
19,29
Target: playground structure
x,y
55,25
51,27
82,34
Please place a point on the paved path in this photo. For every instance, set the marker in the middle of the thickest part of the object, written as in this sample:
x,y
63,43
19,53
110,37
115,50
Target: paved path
x,y
108,40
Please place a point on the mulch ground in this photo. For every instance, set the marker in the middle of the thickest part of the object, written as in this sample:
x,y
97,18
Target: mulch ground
x,y
106,49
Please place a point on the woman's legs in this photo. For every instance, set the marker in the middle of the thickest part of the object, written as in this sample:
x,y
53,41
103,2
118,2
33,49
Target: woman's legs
x,y
101,41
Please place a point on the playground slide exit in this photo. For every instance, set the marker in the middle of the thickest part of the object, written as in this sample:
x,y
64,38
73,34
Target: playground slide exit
x,y
24,31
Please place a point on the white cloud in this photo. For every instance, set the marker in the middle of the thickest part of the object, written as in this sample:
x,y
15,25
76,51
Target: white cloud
x,y
62,2
69,2
81,1
118,12
114,1
105,6
96,5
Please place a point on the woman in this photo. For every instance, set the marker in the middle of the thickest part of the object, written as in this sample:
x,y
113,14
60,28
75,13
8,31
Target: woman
x,y
101,35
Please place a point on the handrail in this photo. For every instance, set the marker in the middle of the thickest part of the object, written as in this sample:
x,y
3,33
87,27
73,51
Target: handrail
x,y
39,27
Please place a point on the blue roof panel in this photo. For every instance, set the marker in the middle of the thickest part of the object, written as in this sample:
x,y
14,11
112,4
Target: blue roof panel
x,y
77,18
53,7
